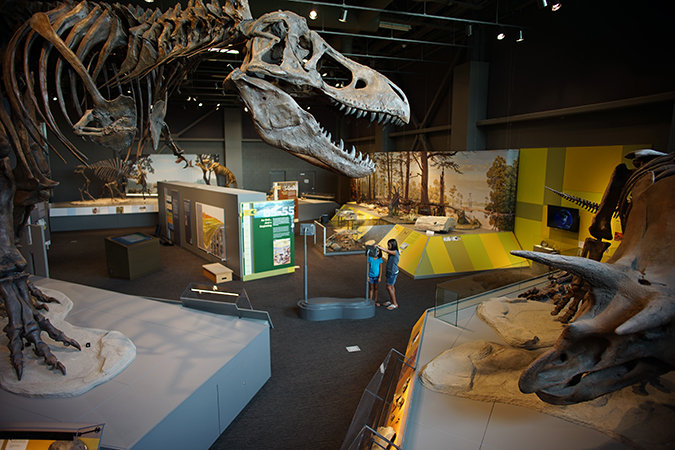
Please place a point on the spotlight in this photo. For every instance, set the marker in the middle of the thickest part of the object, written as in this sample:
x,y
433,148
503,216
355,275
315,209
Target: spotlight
x,y
343,17
556,6
542,4
520,36
501,35
313,14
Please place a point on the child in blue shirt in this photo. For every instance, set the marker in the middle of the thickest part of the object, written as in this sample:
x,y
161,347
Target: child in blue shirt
x,y
374,275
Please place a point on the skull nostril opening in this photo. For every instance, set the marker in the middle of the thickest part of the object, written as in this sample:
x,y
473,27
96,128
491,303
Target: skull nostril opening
x,y
563,357
575,380
360,84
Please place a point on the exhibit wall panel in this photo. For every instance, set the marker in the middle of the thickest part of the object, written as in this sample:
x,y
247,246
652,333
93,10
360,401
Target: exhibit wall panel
x,y
222,198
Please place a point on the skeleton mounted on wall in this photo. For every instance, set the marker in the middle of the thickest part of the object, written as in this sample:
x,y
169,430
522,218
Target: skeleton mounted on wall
x,y
98,52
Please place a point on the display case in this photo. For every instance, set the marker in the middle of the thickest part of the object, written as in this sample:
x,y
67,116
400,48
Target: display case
x,y
379,421
48,435
348,235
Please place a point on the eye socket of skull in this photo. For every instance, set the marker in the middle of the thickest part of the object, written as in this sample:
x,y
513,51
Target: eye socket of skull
x,y
275,55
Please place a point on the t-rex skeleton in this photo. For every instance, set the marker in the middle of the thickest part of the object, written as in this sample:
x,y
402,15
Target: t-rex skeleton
x,y
96,54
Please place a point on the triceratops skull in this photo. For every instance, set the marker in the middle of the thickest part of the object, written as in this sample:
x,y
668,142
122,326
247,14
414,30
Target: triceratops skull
x,y
283,61
627,334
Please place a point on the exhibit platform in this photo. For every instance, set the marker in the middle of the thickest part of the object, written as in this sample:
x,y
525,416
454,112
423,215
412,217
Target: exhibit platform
x,y
194,372
331,308
103,213
439,421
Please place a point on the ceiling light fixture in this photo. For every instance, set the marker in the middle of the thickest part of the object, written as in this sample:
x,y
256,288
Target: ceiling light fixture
x,y
343,17
313,14
395,26
469,30
542,4
520,36
556,6
501,36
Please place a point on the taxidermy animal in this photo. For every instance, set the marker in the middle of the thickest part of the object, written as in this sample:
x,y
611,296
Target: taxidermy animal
x,y
209,167
625,332
111,69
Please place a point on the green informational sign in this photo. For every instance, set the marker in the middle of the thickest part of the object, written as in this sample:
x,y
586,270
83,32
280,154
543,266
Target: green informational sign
x,y
268,238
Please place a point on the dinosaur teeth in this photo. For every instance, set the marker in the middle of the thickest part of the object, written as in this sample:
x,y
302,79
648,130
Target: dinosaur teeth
x,y
352,152
373,116
342,145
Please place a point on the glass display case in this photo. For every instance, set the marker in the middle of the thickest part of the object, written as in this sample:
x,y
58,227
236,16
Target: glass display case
x,y
349,235
380,417
47,435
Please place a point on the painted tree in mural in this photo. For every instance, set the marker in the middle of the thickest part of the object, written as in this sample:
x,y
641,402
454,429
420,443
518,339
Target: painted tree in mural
x,y
501,203
444,161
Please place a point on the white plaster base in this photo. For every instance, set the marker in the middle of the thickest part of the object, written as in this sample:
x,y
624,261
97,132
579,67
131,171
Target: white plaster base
x,y
109,353
639,416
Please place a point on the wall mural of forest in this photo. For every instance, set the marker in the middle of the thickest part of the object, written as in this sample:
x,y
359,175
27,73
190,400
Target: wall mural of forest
x,y
476,187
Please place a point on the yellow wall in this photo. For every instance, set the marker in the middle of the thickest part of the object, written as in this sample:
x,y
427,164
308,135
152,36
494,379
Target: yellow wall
x,y
586,173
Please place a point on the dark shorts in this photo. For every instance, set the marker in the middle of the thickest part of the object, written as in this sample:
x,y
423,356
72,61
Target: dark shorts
x,y
373,280
391,278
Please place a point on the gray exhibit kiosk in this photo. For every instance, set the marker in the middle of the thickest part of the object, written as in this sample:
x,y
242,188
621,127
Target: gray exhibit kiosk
x,y
331,308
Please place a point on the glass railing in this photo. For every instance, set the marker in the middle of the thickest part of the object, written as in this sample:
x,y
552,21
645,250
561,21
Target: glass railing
x,y
469,289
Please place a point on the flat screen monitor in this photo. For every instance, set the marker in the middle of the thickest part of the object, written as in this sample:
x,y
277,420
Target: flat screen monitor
x,y
563,218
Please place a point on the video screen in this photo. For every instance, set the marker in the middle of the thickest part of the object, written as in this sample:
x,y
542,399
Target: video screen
x,y
563,218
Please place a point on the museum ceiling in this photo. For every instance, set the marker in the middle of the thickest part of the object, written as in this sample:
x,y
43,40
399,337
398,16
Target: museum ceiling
x,y
392,36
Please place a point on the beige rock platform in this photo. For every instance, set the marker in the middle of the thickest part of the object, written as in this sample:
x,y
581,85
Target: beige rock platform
x,y
109,353
639,416
521,323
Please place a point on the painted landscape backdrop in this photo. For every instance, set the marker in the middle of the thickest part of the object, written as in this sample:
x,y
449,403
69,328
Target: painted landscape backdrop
x,y
478,188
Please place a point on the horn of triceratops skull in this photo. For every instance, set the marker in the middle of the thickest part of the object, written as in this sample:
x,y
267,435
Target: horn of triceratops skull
x,y
628,334
282,62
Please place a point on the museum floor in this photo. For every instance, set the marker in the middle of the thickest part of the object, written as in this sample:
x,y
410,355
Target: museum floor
x,y
316,383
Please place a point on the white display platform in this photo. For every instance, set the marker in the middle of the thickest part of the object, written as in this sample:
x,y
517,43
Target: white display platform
x,y
439,421
103,213
194,372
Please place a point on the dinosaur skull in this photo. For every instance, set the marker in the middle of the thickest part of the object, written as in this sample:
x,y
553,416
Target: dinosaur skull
x,y
627,334
283,62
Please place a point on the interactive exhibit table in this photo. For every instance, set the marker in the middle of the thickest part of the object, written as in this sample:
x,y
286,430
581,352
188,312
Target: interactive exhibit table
x,y
132,255
194,372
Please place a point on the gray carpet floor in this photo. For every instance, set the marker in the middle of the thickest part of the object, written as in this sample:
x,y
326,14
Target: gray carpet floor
x,y
316,384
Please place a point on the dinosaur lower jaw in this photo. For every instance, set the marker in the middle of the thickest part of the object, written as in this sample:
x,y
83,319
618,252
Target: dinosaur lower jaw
x,y
282,123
